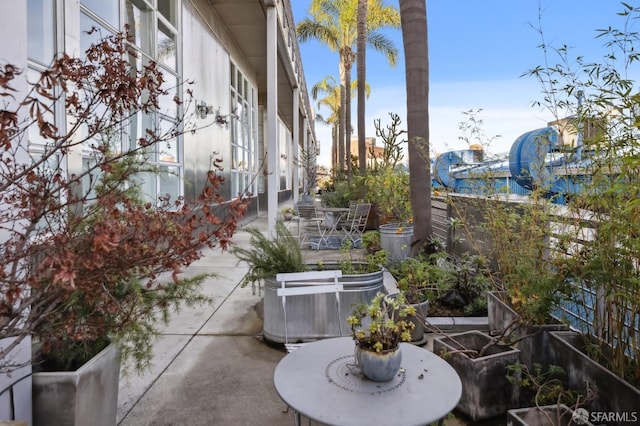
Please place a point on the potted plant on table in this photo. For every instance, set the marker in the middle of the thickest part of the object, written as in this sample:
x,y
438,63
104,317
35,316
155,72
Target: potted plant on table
x,y
85,253
378,329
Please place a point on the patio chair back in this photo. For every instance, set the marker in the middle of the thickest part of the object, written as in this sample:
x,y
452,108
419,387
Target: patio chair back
x,y
307,211
307,283
358,223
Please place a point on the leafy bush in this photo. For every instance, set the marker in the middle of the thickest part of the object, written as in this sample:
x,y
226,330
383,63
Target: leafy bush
x,y
269,256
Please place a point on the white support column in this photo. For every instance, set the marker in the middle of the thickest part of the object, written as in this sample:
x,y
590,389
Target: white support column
x,y
272,118
296,143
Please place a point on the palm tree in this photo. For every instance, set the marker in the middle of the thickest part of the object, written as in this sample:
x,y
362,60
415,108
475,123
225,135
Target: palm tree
x,y
416,48
334,23
329,87
362,77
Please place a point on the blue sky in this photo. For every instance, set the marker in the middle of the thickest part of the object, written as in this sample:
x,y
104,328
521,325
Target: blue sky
x,y
477,51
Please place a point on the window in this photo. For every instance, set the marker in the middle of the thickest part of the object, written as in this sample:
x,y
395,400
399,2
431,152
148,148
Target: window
x,y
41,30
169,11
243,133
109,10
138,16
91,31
166,50
285,160
154,34
154,28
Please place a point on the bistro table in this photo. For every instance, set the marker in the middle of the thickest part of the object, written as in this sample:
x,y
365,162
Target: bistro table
x,y
319,381
333,217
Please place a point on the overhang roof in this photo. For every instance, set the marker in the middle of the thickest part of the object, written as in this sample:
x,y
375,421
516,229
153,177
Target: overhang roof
x,y
246,22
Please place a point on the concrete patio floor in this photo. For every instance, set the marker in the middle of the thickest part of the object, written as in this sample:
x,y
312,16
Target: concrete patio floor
x,y
210,364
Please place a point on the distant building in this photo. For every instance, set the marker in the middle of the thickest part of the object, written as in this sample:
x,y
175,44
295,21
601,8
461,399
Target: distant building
x,y
374,153
568,130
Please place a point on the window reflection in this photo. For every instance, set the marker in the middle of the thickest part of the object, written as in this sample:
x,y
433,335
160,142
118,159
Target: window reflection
x,y
169,148
167,102
105,9
138,17
170,182
166,46
41,30
169,10
35,138
89,37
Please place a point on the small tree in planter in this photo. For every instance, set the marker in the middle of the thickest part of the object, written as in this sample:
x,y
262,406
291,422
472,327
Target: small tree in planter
x,y
604,209
82,254
307,161
527,283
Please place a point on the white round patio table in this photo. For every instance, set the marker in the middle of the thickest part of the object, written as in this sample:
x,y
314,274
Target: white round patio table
x,y
318,381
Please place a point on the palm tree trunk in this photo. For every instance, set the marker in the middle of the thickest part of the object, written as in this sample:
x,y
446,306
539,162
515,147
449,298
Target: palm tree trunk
x,y
413,14
362,78
347,116
334,150
342,120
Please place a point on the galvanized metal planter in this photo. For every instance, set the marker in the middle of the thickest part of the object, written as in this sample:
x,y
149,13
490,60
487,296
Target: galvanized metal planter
x,y
395,239
313,317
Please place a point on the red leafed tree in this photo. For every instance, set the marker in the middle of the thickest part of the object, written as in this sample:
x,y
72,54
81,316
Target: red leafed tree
x,y
82,253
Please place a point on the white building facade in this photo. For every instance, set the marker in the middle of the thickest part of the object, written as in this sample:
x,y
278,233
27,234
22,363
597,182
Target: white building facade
x,y
243,59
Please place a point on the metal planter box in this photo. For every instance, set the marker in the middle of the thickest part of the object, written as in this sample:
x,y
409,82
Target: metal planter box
x,y
313,317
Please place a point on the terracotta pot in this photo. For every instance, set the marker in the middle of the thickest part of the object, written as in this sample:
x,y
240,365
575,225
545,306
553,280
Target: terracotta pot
x,y
379,366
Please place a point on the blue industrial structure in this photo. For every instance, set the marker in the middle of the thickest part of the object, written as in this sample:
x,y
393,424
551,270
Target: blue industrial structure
x,y
537,159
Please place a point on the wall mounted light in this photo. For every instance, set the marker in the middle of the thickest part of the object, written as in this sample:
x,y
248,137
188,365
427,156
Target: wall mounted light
x,y
223,120
202,110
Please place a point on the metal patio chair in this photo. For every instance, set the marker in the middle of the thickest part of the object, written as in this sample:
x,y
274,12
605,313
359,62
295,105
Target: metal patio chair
x,y
356,225
309,224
